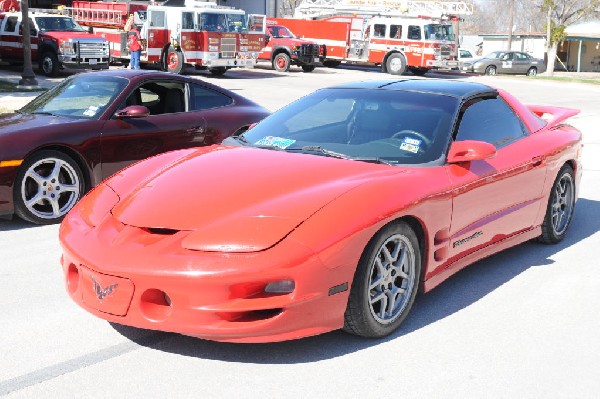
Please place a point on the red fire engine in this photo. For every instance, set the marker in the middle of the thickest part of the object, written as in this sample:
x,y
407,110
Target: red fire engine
x,y
397,35
198,33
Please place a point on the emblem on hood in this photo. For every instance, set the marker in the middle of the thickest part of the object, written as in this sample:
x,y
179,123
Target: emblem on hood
x,y
101,293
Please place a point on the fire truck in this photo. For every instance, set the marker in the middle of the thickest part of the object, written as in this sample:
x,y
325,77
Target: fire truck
x,y
396,35
175,33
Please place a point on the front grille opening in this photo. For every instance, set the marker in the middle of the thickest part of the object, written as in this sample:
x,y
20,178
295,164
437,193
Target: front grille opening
x,y
161,231
250,316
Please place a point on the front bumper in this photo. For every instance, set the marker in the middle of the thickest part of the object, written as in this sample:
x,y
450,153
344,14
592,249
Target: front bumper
x,y
133,277
73,62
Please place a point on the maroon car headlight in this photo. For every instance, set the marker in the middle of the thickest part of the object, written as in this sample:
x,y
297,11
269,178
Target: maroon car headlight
x,y
96,204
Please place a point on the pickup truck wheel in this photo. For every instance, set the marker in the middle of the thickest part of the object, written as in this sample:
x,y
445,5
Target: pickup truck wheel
x,y
281,62
49,64
396,64
173,61
308,68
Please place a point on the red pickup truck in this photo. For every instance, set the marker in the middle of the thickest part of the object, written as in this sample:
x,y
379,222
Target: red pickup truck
x,y
57,42
284,49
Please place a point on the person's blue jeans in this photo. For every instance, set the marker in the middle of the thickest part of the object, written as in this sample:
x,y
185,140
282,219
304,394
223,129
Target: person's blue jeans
x,y
135,59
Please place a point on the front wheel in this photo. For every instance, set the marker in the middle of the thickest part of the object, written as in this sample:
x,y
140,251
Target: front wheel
x,y
561,205
308,68
49,64
47,186
281,62
491,70
385,283
396,64
532,71
173,61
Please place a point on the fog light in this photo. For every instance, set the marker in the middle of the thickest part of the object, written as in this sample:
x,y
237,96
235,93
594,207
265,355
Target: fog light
x,y
280,287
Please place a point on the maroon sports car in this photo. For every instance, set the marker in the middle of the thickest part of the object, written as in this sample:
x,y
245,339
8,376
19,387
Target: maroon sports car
x,y
91,125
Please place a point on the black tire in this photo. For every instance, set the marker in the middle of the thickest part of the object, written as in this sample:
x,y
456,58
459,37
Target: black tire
x,y
49,64
218,71
532,71
173,61
418,71
58,185
308,68
491,70
378,276
396,64
331,64
561,205
281,62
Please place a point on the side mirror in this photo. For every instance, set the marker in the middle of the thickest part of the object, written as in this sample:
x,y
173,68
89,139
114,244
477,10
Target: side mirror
x,y
470,150
133,111
267,38
90,30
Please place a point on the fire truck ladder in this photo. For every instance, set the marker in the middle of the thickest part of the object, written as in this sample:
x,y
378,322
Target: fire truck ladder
x,y
98,17
314,9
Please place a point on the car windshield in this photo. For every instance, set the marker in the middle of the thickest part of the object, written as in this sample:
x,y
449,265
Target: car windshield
x,y
385,126
439,32
82,96
58,24
280,32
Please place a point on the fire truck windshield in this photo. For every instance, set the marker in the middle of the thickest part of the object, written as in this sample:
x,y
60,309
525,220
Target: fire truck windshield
x,y
219,22
439,32
58,24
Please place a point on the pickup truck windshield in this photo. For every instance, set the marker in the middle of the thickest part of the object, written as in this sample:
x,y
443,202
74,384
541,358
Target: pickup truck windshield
x,y
58,23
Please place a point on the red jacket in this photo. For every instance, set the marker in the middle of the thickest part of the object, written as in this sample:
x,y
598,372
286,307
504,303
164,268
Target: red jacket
x,y
134,40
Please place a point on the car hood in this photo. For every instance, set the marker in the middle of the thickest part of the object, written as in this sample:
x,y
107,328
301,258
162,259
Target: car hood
x,y
238,199
66,35
17,122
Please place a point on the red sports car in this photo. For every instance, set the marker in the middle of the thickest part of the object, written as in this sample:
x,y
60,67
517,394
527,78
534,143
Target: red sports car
x,y
330,213
91,125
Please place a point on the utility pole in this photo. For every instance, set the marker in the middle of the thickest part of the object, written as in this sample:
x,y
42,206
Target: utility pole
x,y
511,17
28,80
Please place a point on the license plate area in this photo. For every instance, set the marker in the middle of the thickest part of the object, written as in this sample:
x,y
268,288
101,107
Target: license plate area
x,y
106,293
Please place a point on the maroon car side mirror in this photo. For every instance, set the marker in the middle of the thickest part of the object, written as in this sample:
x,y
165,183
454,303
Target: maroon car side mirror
x,y
133,111
470,150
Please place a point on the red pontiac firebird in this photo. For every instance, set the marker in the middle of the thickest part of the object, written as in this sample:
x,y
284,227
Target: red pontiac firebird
x,y
330,213
70,138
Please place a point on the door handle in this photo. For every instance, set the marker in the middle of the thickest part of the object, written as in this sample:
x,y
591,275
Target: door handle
x,y
537,161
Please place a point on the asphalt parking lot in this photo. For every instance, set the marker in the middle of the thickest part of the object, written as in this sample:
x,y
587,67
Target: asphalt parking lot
x,y
523,323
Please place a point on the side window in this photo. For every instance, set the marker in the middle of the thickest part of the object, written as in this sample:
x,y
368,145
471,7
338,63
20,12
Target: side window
x,y
379,30
11,24
490,120
157,19
395,31
159,97
414,32
204,98
187,20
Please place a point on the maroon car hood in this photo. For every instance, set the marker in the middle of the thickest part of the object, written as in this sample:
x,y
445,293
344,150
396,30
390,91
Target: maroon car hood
x,y
242,197
16,122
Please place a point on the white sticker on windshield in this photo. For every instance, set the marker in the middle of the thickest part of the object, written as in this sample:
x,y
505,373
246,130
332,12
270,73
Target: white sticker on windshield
x,y
410,145
91,111
273,141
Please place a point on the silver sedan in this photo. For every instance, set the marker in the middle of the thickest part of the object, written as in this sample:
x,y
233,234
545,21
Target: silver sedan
x,y
515,62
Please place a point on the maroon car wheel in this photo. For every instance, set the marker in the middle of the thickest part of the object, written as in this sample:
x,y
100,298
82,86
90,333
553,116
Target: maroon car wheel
x,y
47,186
385,282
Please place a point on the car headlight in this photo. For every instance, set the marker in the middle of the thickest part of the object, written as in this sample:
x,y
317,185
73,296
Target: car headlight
x,y
67,48
477,64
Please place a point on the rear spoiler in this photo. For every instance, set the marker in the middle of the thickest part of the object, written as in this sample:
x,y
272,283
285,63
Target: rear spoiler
x,y
553,115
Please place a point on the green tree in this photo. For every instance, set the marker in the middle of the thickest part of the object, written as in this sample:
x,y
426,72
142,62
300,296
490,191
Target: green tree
x,y
559,15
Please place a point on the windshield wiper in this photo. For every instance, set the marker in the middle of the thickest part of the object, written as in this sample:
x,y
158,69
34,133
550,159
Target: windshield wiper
x,y
43,113
333,154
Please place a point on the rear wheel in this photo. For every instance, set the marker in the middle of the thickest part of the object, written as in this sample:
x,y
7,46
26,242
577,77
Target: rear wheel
x,y
396,64
419,71
532,71
47,186
491,70
561,205
281,62
173,61
308,68
331,64
49,64
218,71
385,283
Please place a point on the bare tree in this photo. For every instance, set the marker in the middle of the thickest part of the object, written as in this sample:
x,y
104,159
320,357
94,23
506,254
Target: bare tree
x,y
287,7
560,14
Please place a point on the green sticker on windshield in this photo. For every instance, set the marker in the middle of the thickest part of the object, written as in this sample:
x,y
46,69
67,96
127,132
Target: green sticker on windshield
x,y
274,141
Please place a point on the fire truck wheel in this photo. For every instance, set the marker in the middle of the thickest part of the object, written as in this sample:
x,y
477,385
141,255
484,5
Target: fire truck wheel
x,y
419,71
331,64
173,61
217,71
396,64
281,62
308,68
49,64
